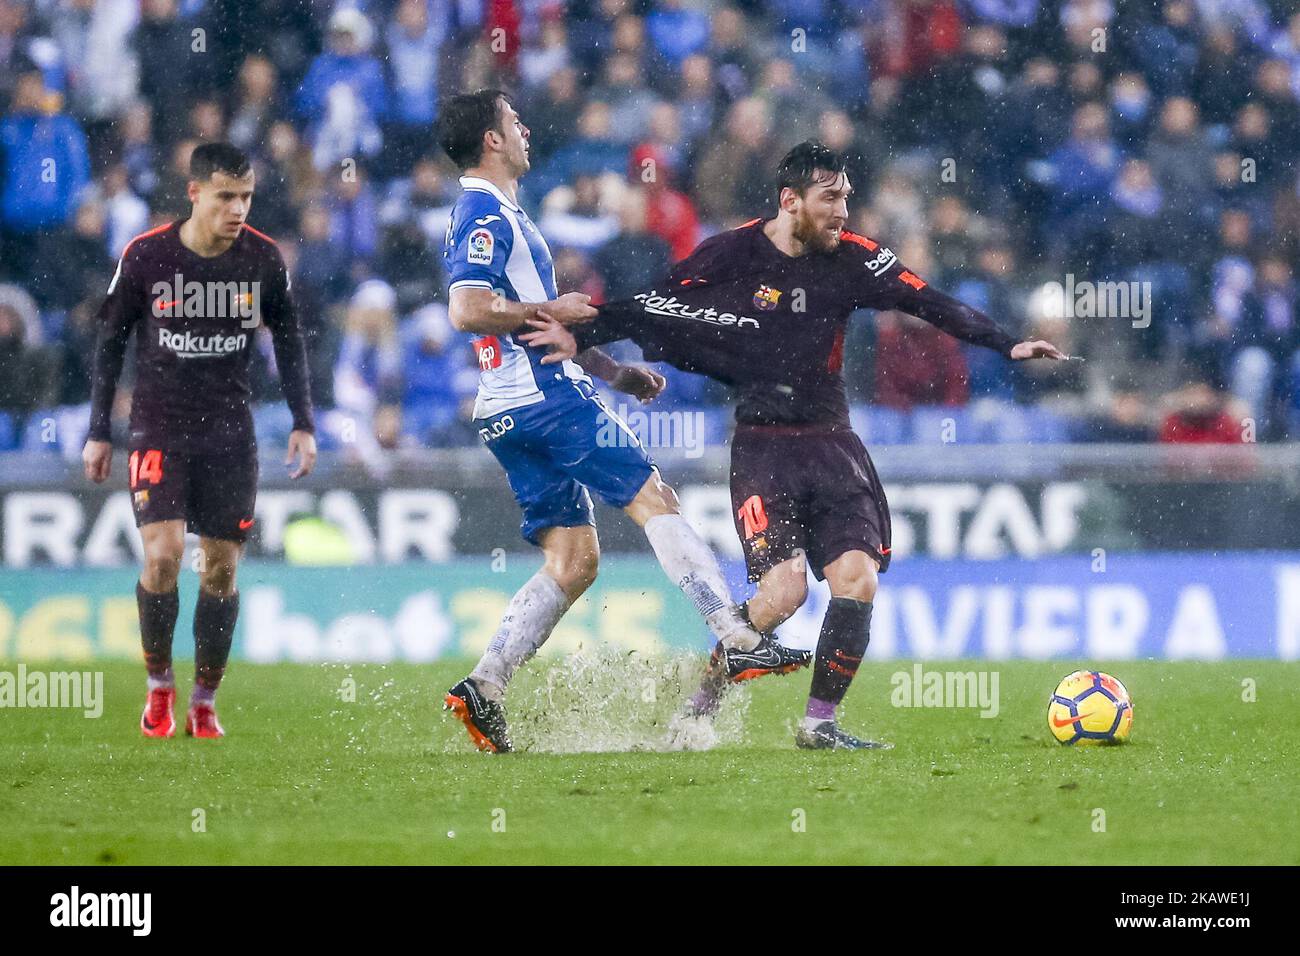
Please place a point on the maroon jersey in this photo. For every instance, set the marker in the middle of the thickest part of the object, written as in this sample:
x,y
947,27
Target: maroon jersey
x,y
194,320
741,311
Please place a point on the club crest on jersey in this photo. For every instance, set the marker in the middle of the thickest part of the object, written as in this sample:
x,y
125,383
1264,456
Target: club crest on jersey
x,y
766,298
142,498
480,247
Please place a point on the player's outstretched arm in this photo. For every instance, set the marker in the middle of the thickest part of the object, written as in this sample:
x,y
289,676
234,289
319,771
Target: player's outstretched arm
x,y
635,380
1040,348
488,313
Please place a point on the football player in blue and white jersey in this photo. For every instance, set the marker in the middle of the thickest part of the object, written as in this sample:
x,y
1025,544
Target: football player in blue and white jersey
x,y
545,422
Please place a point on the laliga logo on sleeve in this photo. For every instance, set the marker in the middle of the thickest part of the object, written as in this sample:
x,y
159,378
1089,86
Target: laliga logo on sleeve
x,y
480,247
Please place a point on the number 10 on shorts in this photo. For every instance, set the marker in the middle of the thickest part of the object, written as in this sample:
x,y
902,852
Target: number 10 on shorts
x,y
753,515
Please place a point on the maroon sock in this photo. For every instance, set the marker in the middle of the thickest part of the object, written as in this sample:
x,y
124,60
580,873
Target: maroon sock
x,y
157,626
843,642
214,630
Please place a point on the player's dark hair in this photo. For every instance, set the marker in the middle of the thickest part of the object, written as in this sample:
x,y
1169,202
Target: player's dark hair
x,y
464,119
209,158
807,164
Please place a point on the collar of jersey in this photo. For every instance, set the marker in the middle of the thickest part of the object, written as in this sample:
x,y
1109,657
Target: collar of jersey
x,y
474,182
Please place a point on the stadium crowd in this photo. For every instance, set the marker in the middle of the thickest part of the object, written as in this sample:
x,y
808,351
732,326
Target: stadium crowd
x,y
998,146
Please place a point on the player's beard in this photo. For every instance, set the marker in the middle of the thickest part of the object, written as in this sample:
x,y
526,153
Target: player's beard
x,y
814,237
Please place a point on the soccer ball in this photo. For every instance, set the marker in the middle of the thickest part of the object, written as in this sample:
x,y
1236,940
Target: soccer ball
x,y
1090,707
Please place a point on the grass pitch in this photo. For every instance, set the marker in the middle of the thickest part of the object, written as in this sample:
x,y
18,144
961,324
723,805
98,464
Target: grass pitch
x,y
307,775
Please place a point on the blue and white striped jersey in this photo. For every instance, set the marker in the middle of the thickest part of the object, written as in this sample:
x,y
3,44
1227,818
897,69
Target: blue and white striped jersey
x,y
492,244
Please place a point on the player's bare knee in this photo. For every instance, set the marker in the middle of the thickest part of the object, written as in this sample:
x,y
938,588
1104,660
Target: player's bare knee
x,y
574,577
218,578
858,581
162,567
667,497
655,498
574,570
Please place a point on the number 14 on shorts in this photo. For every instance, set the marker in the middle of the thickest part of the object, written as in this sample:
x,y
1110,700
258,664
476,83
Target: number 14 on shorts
x,y
146,467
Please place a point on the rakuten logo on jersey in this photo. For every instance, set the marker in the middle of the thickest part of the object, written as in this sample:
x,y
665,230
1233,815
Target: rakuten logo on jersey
x,y
189,345
668,305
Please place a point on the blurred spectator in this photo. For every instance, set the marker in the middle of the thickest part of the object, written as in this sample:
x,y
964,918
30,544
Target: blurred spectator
x,y
44,166
574,272
1125,420
139,153
258,105
697,98
669,213
126,213
1080,176
320,282
916,364
733,177
79,264
94,37
414,38
581,217
552,114
1059,383
677,31
635,259
343,97
175,71
1201,415
592,151
1265,345
354,221
24,365
990,289
369,370
440,380
539,63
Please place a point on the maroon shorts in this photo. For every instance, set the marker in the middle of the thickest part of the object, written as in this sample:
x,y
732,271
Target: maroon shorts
x,y
213,492
808,490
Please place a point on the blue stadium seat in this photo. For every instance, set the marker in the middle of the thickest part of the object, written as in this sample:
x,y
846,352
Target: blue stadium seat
x,y
879,426
1046,427
8,432
39,429
941,424
1011,426
273,423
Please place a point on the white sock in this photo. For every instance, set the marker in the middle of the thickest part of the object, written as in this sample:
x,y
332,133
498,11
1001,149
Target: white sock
x,y
532,614
689,563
